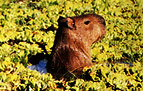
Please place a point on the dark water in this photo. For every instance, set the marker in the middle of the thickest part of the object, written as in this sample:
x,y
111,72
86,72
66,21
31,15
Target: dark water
x,y
41,66
130,64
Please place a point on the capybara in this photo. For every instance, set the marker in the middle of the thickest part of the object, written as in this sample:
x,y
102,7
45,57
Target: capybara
x,y
72,46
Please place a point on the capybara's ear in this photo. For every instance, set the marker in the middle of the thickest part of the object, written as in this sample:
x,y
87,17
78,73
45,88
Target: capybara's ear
x,y
70,23
66,22
61,19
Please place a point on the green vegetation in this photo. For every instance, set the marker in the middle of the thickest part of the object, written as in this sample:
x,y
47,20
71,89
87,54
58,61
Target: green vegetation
x,y
24,25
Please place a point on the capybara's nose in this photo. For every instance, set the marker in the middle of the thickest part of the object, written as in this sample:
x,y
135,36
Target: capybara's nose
x,y
101,20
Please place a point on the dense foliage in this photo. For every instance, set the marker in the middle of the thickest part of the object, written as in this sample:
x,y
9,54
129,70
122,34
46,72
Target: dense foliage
x,y
25,25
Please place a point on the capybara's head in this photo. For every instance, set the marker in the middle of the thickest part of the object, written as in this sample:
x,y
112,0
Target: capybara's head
x,y
72,45
90,27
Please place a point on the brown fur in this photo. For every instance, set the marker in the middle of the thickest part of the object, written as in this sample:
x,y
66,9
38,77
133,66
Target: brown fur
x,y
74,37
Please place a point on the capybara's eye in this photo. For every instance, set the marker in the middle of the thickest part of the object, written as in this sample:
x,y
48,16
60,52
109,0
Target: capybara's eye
x,y
86,22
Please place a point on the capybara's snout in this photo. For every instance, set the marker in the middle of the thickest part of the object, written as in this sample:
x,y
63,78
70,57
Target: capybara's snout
x,y
102,20
102,24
